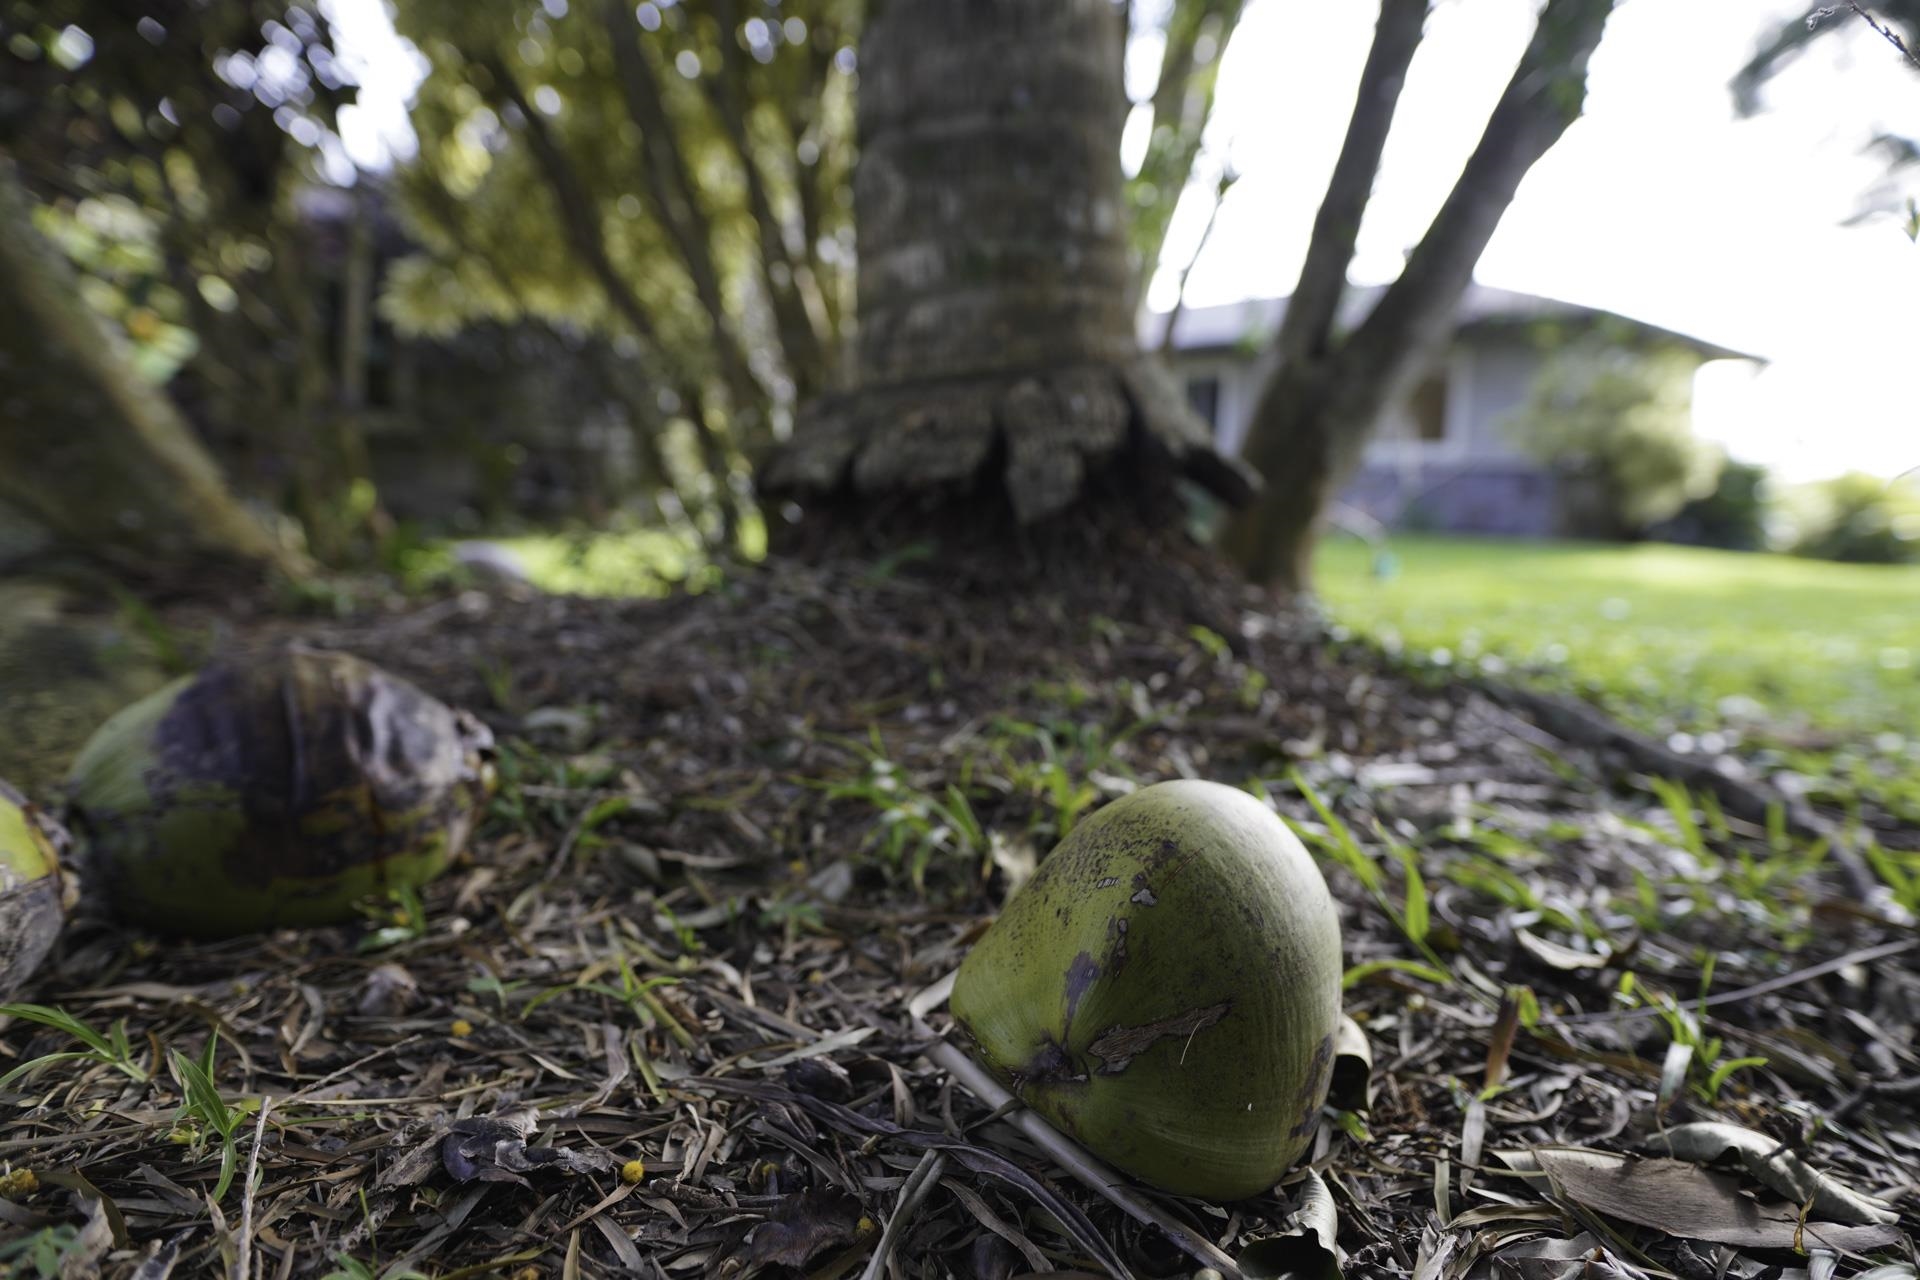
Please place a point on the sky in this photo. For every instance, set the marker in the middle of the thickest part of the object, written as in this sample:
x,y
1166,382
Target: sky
x,y
1660,203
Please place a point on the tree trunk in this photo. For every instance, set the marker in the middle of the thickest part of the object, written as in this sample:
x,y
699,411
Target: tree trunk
x,y
88,448
996,349
1310,429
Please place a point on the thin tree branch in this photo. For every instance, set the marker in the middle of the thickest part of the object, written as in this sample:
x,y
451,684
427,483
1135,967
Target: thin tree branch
x,y
589,244
1182,104
1546,95
816,187
1892,37
670,191
1790,36
1306,331
728,96
1220,191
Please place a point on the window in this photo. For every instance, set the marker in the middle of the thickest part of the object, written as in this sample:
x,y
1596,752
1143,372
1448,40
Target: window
x,y
1428,407
1204,395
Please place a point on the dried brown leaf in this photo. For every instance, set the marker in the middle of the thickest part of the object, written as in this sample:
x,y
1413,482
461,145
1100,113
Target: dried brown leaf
x,y
1352,1086
1305,1248
805,1225
1685,1200
1778,1167
1555,956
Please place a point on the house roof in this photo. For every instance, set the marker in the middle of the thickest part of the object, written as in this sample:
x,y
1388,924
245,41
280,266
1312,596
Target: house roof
x,y
1483,308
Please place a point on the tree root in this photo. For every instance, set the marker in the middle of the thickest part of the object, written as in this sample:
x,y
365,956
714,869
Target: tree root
x,y
1580,723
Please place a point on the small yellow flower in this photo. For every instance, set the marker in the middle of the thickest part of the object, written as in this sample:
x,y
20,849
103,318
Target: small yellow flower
x,y
18,1185
632,1171
527,1273
865,1226
798,866
462,1028
816,977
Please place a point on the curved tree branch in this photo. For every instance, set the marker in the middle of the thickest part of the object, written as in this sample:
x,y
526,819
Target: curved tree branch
x,y
587,239
1310,429
1546,95
1306,331
670,192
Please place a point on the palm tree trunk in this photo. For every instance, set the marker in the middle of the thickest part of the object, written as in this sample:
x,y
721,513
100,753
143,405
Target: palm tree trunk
x,y
90,450
996,349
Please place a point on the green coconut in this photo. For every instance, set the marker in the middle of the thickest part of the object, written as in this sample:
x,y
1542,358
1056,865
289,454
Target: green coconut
x,y
275,791
32,905
1166,990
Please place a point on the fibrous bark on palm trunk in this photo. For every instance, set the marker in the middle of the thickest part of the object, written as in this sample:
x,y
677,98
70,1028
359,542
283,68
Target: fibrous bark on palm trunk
x,y
996,326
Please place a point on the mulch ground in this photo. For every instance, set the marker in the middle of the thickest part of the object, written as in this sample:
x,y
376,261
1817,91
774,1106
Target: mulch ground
x,y
724,858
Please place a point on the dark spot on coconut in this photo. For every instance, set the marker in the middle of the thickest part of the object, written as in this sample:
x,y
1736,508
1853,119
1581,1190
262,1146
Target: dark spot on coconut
x,y
1314,1088
1116,945
1107,882
1143,894
1050,1064
1081,974
321,750
1116,1047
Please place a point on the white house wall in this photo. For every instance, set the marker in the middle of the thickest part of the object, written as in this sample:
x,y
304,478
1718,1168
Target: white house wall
x,y
1503,371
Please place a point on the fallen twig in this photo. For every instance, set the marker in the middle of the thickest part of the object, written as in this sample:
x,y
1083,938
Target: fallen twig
x,y
1066,1153
919,1184
243,1256
1582,724
1866,955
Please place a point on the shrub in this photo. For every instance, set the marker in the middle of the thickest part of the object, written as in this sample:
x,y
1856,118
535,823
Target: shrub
x,y
1617,426
1860,518
1733,517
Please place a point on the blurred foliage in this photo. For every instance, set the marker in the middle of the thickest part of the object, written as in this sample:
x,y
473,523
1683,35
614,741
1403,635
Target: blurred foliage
x,y
1860,519
677,177
1621,423
624,561
1193,36
1778,48
170,145
1734,517
626,95
666,184
674,176
1879,27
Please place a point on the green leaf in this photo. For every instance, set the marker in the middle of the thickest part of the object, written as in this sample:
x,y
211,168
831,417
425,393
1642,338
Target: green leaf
x,y
59,1020
1345,849
1416,922
1412,968
45,1060
1725,1069
229,1159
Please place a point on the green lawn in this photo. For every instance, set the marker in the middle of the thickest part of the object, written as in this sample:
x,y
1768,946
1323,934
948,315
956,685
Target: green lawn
x,y
1789,653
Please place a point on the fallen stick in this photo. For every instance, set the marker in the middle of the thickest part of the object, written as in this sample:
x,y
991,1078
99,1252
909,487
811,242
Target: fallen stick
x,y
1582,724
1069,1155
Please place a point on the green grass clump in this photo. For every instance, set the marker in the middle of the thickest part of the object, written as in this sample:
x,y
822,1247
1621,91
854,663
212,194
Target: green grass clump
x,y
1820,661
